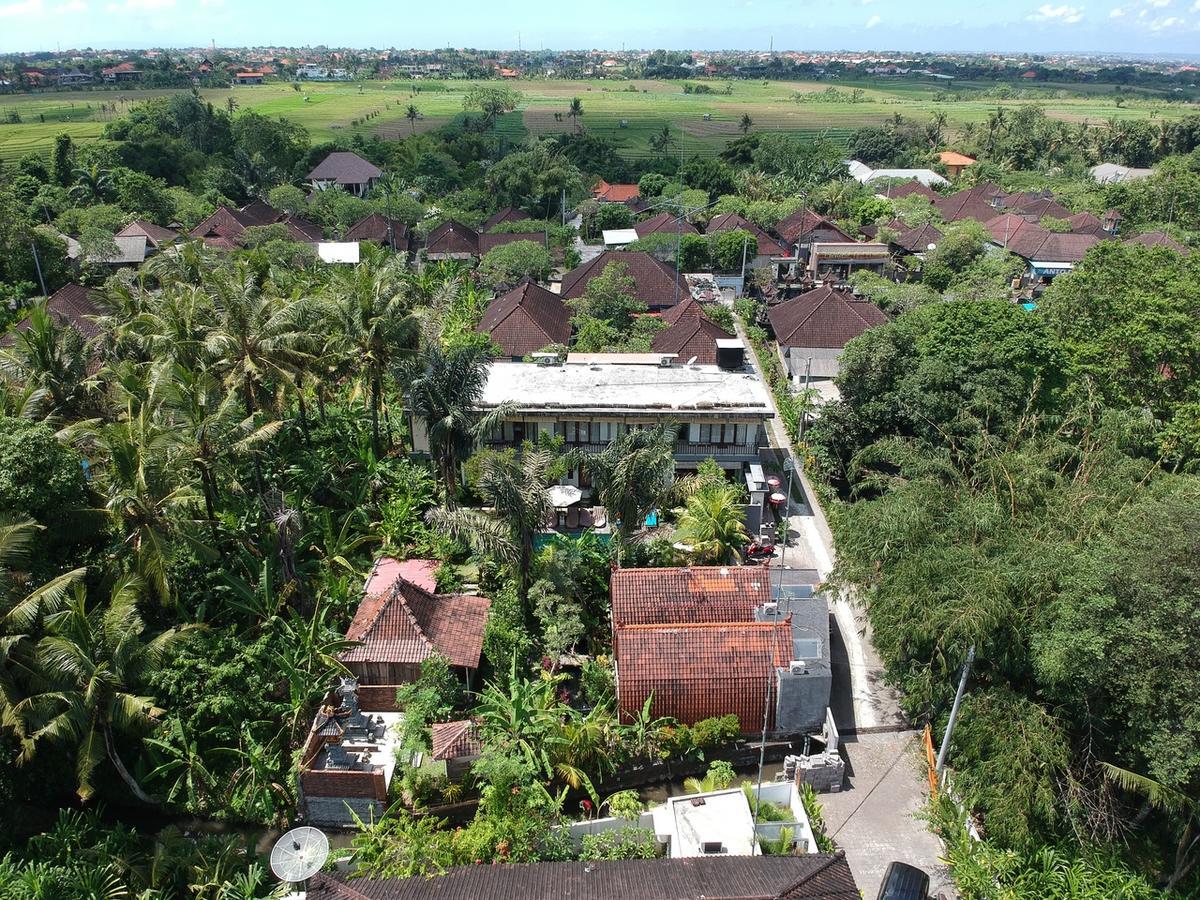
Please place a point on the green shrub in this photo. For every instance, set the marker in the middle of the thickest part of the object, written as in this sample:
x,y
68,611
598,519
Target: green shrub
x,y
623,843
716,731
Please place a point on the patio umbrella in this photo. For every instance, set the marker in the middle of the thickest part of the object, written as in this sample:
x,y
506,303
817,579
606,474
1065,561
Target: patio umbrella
x,y
565,495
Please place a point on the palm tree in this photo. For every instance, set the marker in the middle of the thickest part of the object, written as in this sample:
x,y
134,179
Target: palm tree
x,y
49,357
713,524
745,124
95,662
375,325
92,185
412,114
632,474
663,140
1183,807
517,491
575,110
22,610
937,127
445,393
260,339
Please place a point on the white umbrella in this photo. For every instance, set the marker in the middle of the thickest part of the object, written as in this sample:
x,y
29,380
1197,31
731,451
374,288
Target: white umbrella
x,y
565,495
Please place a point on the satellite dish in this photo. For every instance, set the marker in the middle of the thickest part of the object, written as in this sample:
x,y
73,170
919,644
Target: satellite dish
x,y
692,361
299,854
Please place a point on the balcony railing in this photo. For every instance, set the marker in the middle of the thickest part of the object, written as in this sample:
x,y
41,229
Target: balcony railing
x,y
682,448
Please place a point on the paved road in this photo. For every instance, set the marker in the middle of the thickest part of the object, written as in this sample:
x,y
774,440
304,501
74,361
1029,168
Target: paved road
x,y
873,817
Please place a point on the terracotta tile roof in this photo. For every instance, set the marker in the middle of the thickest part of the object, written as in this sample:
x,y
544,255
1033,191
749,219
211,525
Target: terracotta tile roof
x,y
664,223
71,304
693,336
692,594
344,167
1042,207
655,280
1031,241
453,237
809,876
421,572
375,228
697,671
405,623
500,216
688,308
953,158
965,205
527,319
492,241
767,245
896,192
303,230
806,226
155,235
455,739
823,318
1159,239
1006,226
256,212
615,193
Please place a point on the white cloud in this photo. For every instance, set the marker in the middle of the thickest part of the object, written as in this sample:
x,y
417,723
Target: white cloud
x,y
1064,15
23,8
71,6
1158,3
139,5
1117,12
1196,6
873,21
1168,22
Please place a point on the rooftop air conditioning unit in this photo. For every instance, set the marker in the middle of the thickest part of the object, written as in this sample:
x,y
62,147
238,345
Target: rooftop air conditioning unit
x,y
798,667
666,362
771,609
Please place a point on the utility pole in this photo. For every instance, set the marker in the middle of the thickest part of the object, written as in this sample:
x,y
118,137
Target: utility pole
x,y
804,406
962,687
37,263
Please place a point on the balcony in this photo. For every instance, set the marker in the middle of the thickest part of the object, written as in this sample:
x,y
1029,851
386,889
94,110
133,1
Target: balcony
x,y
686,449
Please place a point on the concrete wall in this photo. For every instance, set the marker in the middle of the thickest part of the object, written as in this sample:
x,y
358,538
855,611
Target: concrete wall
x,y
802,698
335,812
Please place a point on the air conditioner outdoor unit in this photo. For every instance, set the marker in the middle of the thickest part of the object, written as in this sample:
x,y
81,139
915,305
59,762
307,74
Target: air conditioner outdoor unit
x,y
797,667
666,361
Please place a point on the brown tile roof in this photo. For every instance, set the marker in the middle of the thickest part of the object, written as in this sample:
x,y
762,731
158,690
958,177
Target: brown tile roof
x,y
155,235
256,212
375,228
1030,240
954,158
527,319
492,241
731,221
806,226
71,304
823,318
1006,226
809,876
1070,248
303,230
385,571
691,594
500,216
693,336
896,192
1086,223
455,739
664,223
454,238
688,308
1159,239
344,168
965,205
655,280
1043,207
405,623
917,240
697,671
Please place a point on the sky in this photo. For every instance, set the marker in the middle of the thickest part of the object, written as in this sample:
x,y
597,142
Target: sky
x,y
1115,26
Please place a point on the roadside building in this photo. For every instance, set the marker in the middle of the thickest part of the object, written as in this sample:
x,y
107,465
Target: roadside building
x,y
813,329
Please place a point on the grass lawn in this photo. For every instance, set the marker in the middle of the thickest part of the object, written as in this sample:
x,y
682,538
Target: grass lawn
x,y
628,113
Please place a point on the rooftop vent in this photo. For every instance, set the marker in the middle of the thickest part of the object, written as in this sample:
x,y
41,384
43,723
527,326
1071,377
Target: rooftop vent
x,y
712,847
697,801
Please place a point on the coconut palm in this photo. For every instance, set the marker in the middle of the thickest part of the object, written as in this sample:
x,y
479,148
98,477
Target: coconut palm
x,y
632,474
93,184
374,324
575,110
49,357
1182,807
260,338
412,114
663,140
745,124
22,610
445,393
517,491
95,662
713,524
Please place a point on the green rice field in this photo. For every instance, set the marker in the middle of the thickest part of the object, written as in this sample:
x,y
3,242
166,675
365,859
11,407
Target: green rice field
x,y
628,113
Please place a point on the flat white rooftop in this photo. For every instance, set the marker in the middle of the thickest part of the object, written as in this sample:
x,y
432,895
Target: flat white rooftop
x,y
626,388
716,823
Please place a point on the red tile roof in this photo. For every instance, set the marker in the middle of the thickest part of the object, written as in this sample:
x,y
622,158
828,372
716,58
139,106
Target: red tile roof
x,y
664,223
72,304
421,572
455,739
1031,241
965,205
953,158
452,237
916,240
823,318
527,319
155,235
1159,239
1041,207
693,336
492,241
1086,223
731,221
700,670
655,281
615,193
303,230
691,594
688,308
405,623
896,192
